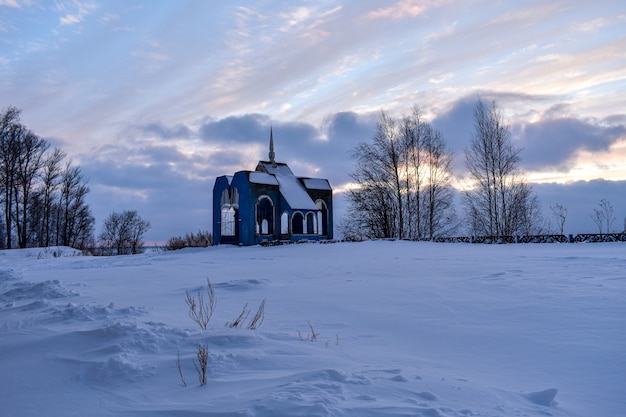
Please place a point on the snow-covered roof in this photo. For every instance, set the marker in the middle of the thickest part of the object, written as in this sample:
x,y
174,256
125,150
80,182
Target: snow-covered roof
x,y
262,178
316,184
290,187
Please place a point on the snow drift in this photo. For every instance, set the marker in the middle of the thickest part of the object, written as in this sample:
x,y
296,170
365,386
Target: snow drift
x,y
360,329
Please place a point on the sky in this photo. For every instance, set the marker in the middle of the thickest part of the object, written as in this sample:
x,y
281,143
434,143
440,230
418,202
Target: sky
x,y
155,99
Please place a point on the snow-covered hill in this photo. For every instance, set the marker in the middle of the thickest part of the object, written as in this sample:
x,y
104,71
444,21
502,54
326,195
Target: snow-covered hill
x,y
402,329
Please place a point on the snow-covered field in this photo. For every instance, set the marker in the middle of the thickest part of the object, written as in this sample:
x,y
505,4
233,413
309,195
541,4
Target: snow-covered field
x,y
403,329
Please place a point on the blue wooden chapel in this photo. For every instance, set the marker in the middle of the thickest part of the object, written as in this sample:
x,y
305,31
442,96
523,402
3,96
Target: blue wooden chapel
x,y
271,205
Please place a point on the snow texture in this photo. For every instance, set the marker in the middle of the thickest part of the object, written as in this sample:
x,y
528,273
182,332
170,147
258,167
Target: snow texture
x,y
262,178
290,187
316,184
350,329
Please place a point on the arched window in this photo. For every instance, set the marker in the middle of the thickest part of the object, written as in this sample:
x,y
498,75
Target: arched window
x,y
322,217
234,198
229,204
310,223
230,197
225,200
264,211
284,223
228,221
297,223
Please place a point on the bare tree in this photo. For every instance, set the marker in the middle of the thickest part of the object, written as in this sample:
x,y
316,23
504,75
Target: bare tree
x,y
74,223
498,203
414,130
598,218
402,182
21,156
50,183
602,216
607,208
122,233
138,228
2,234
385,155
351,230
374,202
42,204
29,163
560,214
439,217
530,221
9,151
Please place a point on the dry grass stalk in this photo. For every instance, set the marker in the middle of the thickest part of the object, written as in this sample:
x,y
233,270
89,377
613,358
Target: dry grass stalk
x,y
201,310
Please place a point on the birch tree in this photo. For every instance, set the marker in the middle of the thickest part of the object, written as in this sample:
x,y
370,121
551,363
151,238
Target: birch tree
x,y
402,181
500,202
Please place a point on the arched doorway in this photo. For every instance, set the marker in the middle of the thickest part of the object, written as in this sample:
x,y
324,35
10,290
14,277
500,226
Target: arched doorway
x,y
264,216
311,223
297,223
322,217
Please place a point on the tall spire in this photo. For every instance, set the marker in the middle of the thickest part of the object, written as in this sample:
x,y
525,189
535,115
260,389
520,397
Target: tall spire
x,y
272,154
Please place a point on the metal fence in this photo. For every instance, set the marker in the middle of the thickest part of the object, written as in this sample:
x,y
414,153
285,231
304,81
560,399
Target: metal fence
x,y
579,238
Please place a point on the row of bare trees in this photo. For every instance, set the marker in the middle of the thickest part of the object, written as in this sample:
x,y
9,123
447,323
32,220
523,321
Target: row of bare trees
x,y
42,195
403,182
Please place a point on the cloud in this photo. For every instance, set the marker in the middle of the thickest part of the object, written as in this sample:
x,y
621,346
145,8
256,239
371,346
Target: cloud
x,y
166,132
400,10
10,3
590,25
240,129
156,180
350,127
548,140
295,17
312,150
136,168
317,150
75,11
526,16
456,123
552,143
